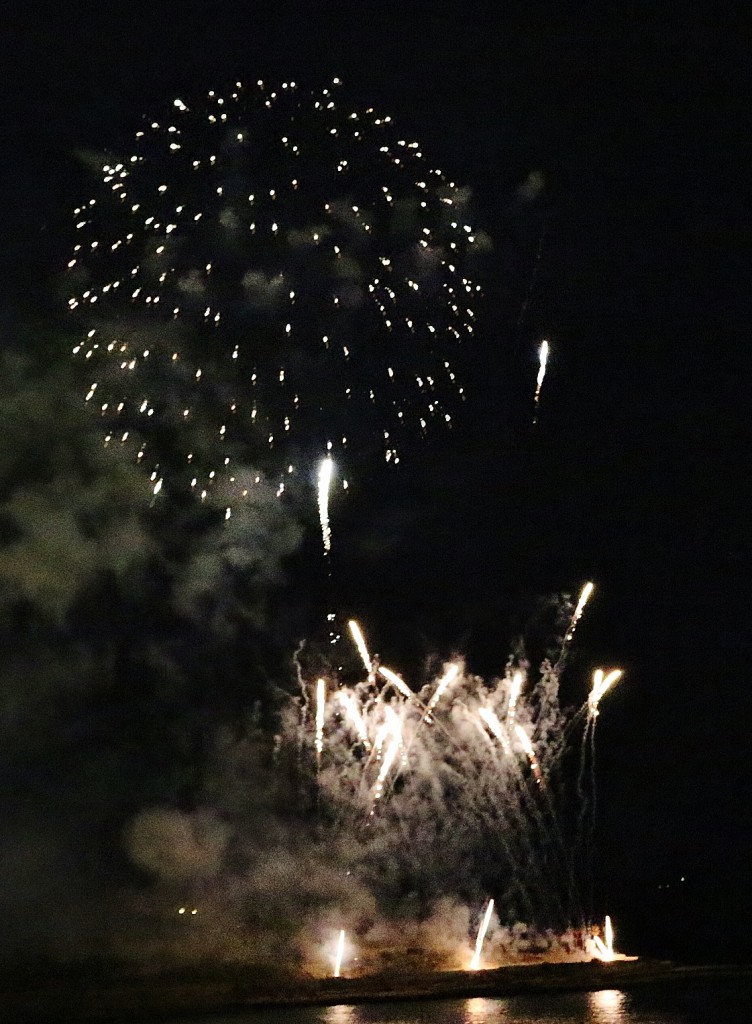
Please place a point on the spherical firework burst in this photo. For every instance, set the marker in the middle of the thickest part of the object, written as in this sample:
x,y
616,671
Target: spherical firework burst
x,y
267,275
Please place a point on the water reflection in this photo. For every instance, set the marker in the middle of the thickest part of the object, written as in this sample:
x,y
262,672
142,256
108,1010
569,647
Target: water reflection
x,y
607,1007
484,1011
340,1015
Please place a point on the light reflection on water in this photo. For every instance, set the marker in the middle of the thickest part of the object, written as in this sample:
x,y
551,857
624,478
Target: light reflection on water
x,y
679,1005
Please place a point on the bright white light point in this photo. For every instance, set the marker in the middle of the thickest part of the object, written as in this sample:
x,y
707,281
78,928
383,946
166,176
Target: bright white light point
x,y
326,469
475,962
340,951
157,486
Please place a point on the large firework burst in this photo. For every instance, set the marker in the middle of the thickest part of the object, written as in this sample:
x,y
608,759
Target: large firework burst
x,y
266,275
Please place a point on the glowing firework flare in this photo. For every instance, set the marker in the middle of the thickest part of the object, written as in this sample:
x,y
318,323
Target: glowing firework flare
x,y
326,468
585,595
320,716
601,684
339,953
386,766
354,717
357,634
446,680
542,363
262,272
397,682
493,723
527,746
475,962
514,696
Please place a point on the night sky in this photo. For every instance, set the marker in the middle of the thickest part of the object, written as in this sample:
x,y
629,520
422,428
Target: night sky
x,y
629,260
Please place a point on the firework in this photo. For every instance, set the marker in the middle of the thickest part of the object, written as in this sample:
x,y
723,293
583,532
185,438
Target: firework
x,y
542,363
527,746
444,803
320,713
359,640
449,677
475,962
585,595
514,696
493,723
354,716
340,951
266,273
386,767
601,683
326,468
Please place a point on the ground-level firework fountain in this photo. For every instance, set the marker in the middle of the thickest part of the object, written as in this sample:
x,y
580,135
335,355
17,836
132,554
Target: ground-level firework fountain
x,y
460,812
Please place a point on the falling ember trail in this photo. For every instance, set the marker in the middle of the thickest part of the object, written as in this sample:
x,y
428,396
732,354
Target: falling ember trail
x,y
340,951
475,962
543,358
326,468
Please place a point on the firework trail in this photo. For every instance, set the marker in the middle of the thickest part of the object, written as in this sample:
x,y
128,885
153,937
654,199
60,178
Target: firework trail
x,y
320,717
543,361
475,962
263,272
326,468
340,951
360,643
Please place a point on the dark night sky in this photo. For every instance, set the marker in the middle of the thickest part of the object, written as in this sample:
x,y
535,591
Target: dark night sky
x,y
637,473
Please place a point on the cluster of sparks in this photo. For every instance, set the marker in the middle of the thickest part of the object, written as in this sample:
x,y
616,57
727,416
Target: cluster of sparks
x,y
488,758
265,274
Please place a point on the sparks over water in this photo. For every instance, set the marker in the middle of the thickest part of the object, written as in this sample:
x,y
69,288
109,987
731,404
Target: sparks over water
x,y
469,798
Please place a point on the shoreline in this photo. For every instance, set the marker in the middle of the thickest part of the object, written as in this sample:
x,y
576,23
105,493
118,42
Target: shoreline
x,y
203,993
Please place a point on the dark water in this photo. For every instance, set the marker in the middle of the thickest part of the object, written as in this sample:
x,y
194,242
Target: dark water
x,y
686,1004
